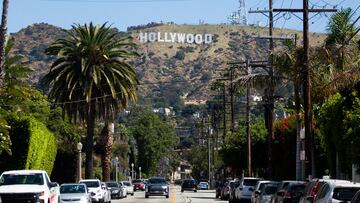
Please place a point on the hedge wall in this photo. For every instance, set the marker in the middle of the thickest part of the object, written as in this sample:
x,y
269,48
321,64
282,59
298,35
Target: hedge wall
x,y
33,145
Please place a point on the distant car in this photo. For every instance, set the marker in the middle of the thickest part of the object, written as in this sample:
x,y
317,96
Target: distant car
x,y
94,186
138,185
106,192
116,192
336,191
293,192
280,192
74,192
157,186
189,184
225,190
232,186
265,194
203,186
258,190
218,188
129,187
123,189
245,189
311,189
178,182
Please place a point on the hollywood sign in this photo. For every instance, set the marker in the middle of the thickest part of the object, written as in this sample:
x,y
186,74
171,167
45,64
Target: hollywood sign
x,y
171,37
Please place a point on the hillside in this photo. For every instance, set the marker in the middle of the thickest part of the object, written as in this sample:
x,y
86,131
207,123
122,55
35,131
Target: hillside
x,y
167,71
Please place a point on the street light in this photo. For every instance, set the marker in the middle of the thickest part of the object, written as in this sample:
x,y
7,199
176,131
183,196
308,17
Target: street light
x,y
116,168
79,148
132,171
140,171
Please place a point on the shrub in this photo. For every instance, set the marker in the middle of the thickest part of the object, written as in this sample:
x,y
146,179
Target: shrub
x,y
180,55
33,145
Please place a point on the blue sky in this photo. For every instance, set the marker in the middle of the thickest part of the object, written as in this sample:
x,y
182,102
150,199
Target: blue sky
x,y
124,13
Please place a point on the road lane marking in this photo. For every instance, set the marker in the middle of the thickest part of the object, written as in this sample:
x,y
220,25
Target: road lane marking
x,y
173,195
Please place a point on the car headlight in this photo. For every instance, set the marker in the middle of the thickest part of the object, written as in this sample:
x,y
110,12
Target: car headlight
x,y
42,195
83,199
164,187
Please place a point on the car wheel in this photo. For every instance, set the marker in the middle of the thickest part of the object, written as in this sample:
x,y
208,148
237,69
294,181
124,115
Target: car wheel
x,y
182,190
132,194
195,190
146,196
167,196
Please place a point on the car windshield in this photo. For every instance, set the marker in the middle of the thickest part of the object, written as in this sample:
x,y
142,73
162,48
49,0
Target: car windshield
x,y
91,184
250,182
157,181
65,189
22,179
112,184
270,190
344,194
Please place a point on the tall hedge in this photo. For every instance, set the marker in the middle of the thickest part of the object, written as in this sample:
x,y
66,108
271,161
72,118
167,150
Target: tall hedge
x,y
33,145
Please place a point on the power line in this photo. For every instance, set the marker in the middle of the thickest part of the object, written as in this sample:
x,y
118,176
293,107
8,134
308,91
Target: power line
x,y
114,1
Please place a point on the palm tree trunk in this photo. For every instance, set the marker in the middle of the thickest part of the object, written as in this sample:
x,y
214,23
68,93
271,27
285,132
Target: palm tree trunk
x,y
90,142
2,39
108,140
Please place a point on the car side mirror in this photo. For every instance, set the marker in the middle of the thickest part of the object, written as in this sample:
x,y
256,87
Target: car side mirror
x,y
53,184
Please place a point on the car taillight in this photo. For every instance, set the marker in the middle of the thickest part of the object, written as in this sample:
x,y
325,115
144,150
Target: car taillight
x,y
288,195
314,190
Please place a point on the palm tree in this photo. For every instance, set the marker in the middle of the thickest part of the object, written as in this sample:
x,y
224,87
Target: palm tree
x,y
340,30
3,39
91,78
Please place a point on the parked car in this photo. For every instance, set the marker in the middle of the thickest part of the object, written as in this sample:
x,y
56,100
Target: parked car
x,y
311,189
336,191
264,195
178,182
293,192
157,186
355,199
225,190
244,190
138,185
232,186
106,192
94,186
28,186
203,186
280,192
189,184
218,187
129,187
74,192
260,185
123,189
116,192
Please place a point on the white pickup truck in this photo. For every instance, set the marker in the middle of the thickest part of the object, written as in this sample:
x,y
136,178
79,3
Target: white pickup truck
x,y
30,186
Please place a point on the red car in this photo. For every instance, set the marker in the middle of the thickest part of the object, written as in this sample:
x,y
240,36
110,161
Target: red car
x,y
138,185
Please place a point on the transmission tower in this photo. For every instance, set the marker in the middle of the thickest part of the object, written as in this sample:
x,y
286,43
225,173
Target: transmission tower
x,y
239,17
242,13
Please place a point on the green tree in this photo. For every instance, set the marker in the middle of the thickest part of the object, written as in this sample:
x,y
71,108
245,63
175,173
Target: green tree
x,y
155,140
91,78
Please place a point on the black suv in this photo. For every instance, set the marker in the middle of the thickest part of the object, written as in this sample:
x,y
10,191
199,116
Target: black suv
x,y
189,184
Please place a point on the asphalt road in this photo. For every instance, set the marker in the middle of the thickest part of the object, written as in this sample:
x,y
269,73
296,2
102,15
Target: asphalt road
x,y
202,196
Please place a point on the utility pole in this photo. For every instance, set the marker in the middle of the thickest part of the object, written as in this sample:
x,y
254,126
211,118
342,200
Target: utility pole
x,y
248,127
232,99
306,73
224,110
